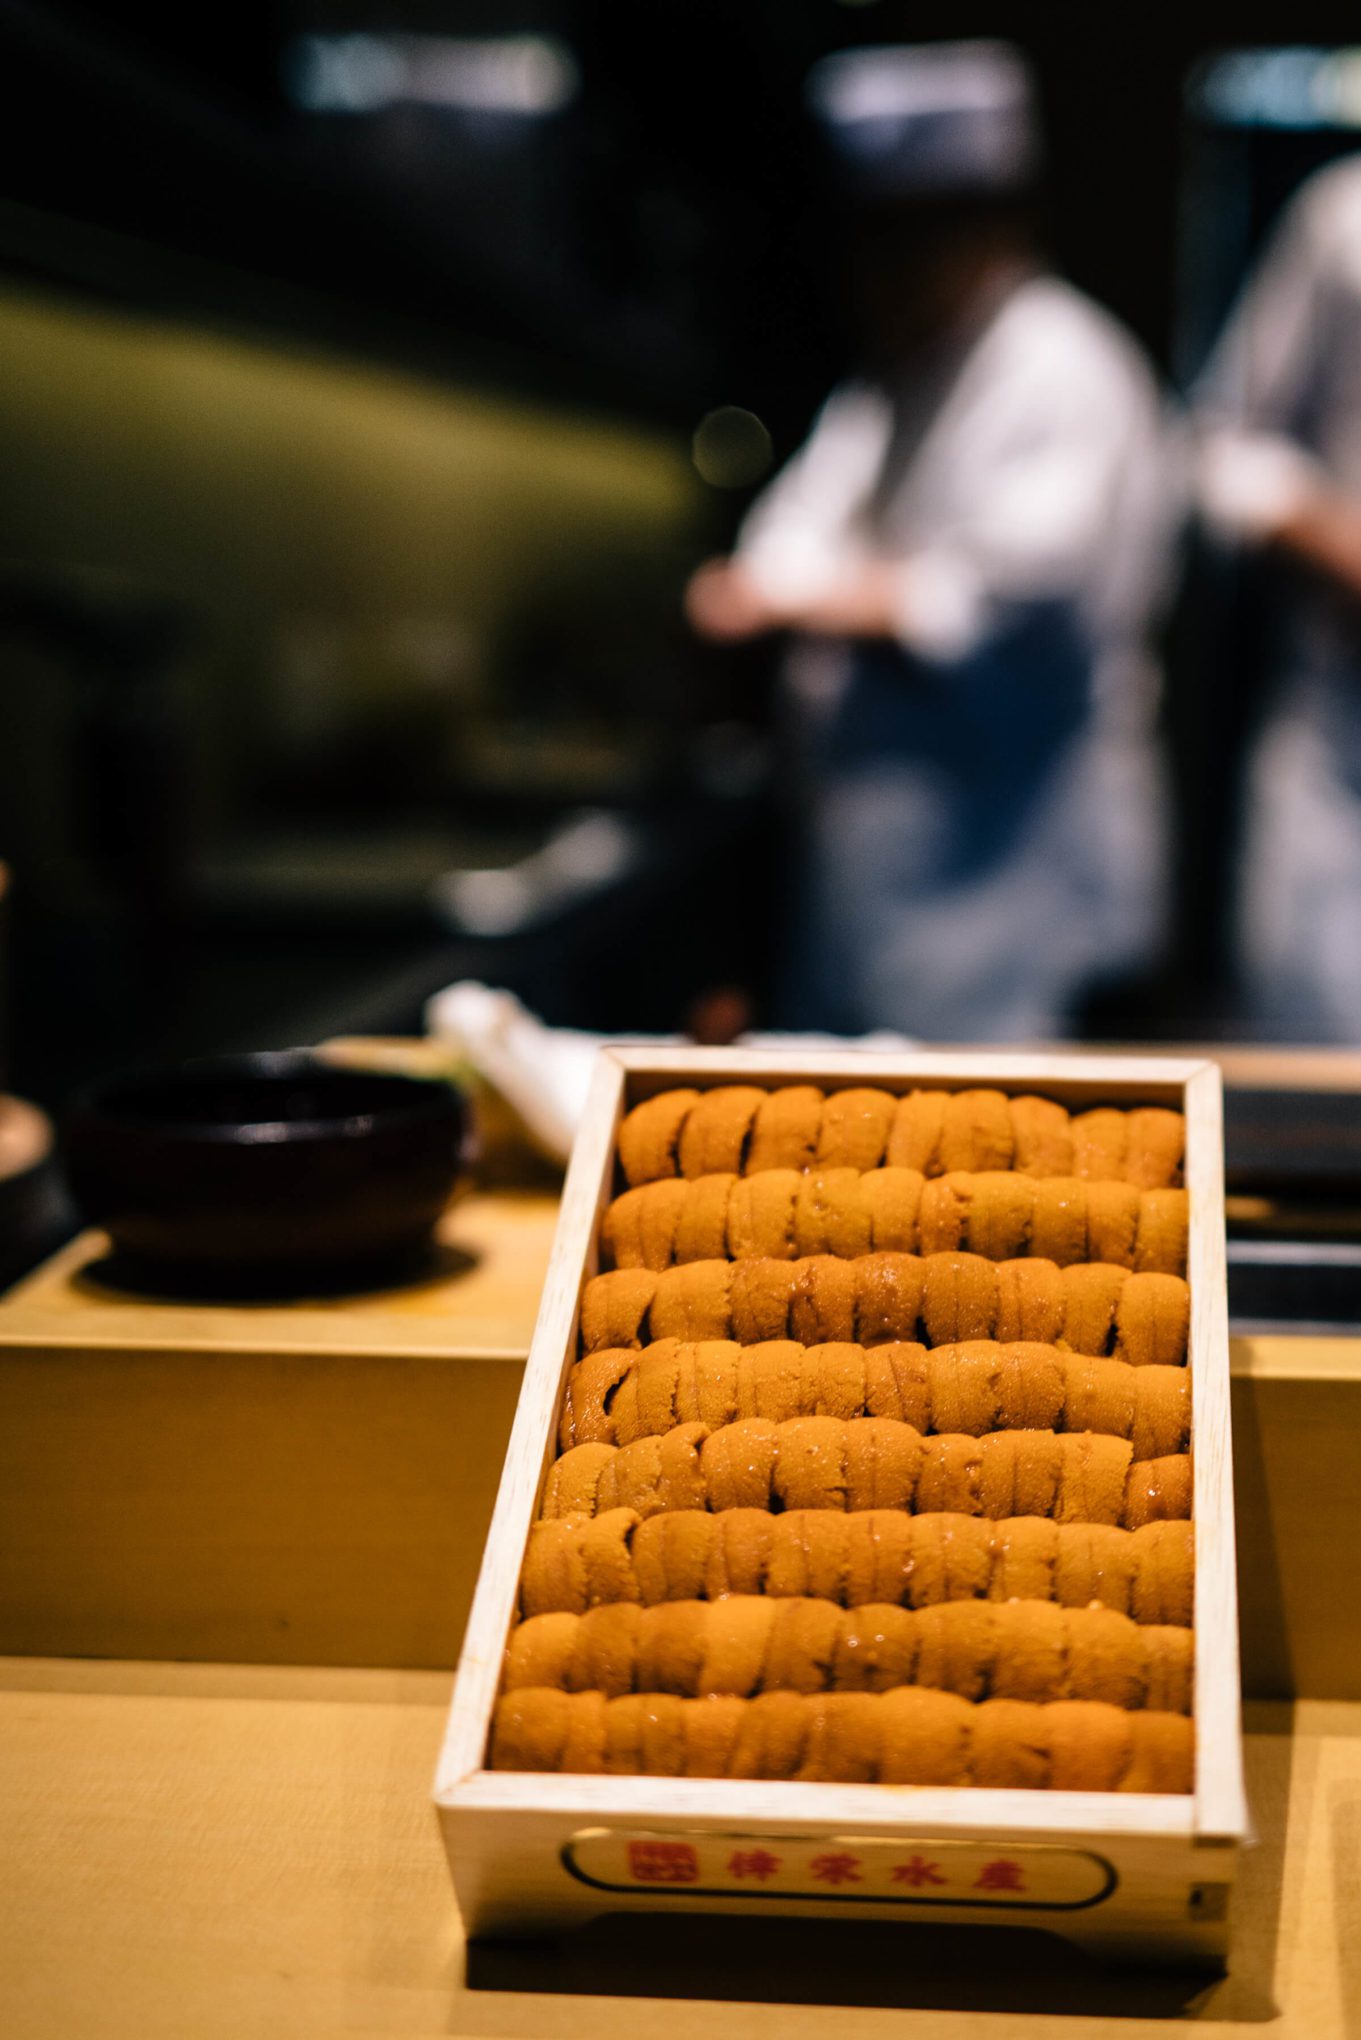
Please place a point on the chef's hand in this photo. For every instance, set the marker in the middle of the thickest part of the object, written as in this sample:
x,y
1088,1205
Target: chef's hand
x,y
1267,492
1323,532
1252,486
864,601
723,602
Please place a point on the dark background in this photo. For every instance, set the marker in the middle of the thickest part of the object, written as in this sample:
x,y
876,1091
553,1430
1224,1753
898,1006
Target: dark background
x,y
686,174
657,249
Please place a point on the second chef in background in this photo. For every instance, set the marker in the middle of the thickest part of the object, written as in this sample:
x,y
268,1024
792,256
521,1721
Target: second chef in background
x,y
968,552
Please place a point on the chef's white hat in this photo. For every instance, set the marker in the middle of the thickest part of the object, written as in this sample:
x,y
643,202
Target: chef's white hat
x,y
928,119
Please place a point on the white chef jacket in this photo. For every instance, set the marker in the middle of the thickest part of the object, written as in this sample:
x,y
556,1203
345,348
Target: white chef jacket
x,y
1024,464
1289,362
1286,377
1000,472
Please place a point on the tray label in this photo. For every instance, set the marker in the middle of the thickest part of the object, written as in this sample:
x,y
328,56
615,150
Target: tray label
x,y
851,1869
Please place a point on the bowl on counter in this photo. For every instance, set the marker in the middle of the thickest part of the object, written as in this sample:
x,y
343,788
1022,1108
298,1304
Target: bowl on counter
x,y
267,1163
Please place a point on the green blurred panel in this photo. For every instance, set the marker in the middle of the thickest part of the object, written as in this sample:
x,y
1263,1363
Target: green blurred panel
x,y
262,485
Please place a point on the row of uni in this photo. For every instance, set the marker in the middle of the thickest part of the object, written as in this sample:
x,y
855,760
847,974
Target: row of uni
x,y
799,1651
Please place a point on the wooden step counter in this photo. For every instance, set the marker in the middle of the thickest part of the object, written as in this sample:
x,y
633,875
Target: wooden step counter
x,y
196,1852
304,1482
310,1483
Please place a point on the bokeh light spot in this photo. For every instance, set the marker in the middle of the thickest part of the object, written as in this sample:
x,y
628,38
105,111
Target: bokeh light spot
x,y
731,448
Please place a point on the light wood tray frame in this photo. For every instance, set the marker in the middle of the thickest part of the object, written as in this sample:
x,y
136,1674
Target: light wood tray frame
x,y
518,1843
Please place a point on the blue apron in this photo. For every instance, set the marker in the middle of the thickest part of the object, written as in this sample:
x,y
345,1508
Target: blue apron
x,y
946,890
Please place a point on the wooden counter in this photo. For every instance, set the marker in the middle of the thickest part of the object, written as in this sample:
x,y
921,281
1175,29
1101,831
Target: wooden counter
x,y
218,1853
305,1483
477,1299
310,1483
199,1850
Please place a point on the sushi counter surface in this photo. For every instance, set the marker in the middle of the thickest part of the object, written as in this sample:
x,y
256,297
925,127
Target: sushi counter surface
x,y
229,1851
476,1297
238,1848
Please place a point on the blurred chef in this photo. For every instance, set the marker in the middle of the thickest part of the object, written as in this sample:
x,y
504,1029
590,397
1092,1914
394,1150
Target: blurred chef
x,y
1280,468
967,551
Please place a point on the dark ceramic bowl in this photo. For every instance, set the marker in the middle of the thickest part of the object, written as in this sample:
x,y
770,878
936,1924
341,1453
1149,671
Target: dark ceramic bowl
x,y
267,1162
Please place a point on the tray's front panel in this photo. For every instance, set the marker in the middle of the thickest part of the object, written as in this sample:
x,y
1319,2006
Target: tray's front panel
x,y
1118,1893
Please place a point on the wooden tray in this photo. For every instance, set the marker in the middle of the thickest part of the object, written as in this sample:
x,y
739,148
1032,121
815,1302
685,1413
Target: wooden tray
x,y
1125,1873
